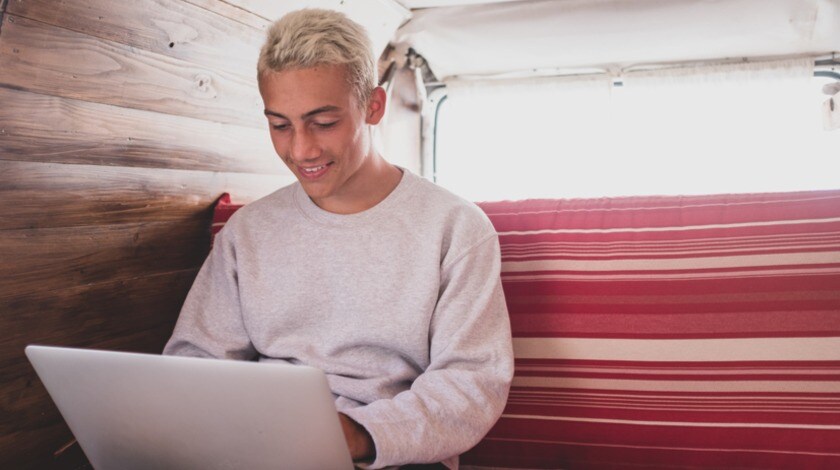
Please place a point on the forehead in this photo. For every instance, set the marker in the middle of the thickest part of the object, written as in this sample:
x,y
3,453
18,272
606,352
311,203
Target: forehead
x,y
301,90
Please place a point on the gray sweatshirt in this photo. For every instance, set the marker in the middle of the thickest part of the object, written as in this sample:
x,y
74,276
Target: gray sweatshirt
x,y
400,305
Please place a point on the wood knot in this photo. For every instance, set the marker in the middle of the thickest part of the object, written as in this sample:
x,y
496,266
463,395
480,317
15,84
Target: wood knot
x,y
203,82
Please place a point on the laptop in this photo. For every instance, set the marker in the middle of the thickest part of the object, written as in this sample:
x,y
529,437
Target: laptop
x,y
143,411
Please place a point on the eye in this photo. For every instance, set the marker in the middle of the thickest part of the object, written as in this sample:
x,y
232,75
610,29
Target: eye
x,y
280,127
326,125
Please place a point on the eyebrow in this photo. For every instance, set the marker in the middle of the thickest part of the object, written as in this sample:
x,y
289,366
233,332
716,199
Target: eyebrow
x,y
322,109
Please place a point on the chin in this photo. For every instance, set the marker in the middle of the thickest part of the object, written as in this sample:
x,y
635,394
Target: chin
x,y
316,191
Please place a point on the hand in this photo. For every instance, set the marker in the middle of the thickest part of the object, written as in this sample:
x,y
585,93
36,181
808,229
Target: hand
x,y
358,439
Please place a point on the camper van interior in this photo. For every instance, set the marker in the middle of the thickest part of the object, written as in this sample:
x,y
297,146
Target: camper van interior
x,y
663,175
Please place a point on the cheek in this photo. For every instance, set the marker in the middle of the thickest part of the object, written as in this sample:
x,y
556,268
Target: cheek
x,y
279,144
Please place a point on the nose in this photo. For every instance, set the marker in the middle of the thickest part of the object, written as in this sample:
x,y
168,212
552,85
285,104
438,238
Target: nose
x,y
304,146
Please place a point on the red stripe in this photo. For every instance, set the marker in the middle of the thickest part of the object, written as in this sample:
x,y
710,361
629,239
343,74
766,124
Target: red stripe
x,y
730,243
681,377
553,455
810,440
667,211
833,267
741,416
808,282
662,235
820,323
698,393
734,335
679,365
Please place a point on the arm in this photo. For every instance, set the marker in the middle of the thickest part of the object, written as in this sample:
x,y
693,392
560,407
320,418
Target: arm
x,y
358,440
210,323
458,398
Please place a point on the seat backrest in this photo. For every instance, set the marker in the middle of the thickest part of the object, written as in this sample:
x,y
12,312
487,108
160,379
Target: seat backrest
x,y
671,332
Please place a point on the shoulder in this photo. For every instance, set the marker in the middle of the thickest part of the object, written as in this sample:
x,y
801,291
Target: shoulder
x,y
455,211
459,223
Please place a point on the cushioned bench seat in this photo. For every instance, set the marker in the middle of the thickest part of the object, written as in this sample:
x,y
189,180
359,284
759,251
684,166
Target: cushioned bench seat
x,y
670,332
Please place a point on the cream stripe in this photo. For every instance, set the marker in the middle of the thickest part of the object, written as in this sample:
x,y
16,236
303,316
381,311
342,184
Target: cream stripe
x,y
672,229
634,277
677,423
702,350
669,251
753,386
716,262
740,398
835,371
689,408
700,241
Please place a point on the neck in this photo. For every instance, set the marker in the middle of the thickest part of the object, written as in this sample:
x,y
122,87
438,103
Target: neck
x,y
369,187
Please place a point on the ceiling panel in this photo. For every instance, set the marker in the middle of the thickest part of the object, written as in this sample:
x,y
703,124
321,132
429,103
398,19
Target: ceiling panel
x,y
533,36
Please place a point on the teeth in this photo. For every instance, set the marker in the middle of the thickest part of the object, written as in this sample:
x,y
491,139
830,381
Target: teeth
x,y
313,170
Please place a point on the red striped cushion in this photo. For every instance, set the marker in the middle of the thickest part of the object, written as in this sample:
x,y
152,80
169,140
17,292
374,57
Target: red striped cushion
x,y
221,213
671,331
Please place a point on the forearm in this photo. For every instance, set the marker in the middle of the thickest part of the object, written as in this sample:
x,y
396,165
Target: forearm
x,y
462,392
435,420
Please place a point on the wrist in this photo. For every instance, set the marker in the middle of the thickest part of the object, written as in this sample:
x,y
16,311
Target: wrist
x,y
359,441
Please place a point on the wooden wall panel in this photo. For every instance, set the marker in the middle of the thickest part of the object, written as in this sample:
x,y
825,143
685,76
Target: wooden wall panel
x,y
99,316
44,128
46,59
52,195
233,12
113,148
96,314
174,29
46,260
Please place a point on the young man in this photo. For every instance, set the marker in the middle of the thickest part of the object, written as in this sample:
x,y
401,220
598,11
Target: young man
x,y
385,281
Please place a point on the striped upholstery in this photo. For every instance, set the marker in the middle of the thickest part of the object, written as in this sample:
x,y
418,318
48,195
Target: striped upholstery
x,y
221,213
670,332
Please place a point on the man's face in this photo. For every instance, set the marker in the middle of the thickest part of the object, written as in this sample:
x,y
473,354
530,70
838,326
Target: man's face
x,y
319,130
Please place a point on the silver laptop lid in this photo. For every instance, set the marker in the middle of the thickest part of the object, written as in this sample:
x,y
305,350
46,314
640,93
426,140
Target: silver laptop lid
x,y
142,411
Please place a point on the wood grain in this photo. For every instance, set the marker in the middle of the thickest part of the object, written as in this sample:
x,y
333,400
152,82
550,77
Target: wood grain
x,y
49,195
128,315
38,430
33,429
45,260
113,148
43,128
102,315
45,59
233,12
32,448
171,28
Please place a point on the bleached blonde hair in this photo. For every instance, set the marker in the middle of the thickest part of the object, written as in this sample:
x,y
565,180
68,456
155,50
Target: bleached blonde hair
x,y
312,37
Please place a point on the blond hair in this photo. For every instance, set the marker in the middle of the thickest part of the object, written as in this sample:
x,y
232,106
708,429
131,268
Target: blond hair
x,y
312,37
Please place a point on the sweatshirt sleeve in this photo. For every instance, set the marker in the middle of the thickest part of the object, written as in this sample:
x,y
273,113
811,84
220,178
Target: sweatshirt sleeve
x,y
459,397
210,323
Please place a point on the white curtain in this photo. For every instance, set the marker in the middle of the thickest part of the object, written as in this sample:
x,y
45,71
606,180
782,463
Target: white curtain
x,y
747,127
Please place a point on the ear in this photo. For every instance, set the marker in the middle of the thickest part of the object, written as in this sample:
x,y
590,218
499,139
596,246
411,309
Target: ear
x,y
376,106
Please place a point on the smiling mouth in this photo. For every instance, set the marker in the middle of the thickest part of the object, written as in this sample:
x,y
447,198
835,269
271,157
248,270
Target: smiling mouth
x,y
314,169
314,172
